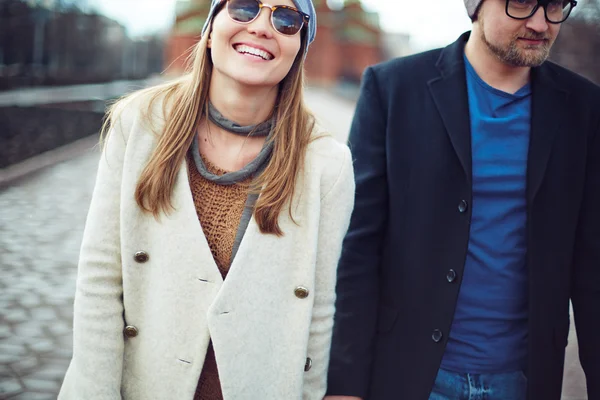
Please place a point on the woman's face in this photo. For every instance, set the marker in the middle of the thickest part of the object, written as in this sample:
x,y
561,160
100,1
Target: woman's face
x,y
252,54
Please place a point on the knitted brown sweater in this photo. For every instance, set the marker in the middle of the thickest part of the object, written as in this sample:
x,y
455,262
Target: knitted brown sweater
x,y
219,209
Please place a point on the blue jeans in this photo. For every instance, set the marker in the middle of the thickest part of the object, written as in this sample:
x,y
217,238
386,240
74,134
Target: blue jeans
x,y
458,386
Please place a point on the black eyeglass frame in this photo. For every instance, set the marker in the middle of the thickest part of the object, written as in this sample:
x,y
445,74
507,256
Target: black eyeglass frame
x,y
261,5
544,4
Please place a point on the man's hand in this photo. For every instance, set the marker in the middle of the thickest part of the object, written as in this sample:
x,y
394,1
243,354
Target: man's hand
x,y
341,398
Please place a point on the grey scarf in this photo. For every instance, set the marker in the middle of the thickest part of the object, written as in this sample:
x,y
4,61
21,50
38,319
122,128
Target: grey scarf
x,y
262,129
252,168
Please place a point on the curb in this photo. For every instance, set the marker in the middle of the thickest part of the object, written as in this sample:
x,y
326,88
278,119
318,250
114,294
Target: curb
x,y
33,164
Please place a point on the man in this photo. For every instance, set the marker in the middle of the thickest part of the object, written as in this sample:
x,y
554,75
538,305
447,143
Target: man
x,y
477,218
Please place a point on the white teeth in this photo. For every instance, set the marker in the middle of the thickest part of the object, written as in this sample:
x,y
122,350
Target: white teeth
x,y
242,48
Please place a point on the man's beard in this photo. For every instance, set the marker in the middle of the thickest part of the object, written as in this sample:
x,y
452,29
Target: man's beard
x,y
514,56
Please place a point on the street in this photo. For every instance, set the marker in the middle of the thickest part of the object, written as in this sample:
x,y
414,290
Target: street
x,y
42,217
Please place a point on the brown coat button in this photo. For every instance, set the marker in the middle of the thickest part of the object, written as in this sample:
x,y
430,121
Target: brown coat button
x,y
130,331
308,364
301,292
141,257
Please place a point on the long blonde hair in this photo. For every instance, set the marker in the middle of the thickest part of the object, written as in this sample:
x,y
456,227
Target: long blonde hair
x,y
186,103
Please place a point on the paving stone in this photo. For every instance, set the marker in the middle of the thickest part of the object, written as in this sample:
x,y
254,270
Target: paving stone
x,y
6,372
9,387
8,358
60,328
29,329
59,301
14,349
6,304
43,346
29,395
5,332
50,373
33,339
25,365
40,385
65,341
66,312
30,301
58,364
15,340
12,260
61,353
16,315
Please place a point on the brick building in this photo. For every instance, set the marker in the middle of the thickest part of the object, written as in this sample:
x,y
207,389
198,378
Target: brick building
x,y
348,40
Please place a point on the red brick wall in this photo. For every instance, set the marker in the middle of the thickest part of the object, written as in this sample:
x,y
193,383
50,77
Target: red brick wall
x,y
323,62
328,59
357,57
177,50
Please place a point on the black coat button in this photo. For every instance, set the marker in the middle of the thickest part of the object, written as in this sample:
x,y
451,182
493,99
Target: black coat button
x,y
437,335
451,276
141,257
463,206
308,364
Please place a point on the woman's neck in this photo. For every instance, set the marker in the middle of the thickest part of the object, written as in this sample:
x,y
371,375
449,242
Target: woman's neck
x,y
241,104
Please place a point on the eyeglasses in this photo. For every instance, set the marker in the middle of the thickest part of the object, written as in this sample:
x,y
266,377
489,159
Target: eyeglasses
x,y
285,20
556,11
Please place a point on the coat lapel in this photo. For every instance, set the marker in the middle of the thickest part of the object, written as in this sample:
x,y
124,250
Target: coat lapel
x,y
449,92
187,228
186,215
548,115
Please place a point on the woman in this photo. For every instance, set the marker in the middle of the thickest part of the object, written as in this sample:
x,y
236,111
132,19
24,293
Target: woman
x,y
208,262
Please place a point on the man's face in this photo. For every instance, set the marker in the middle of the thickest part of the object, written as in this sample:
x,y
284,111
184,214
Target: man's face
x,y
518,43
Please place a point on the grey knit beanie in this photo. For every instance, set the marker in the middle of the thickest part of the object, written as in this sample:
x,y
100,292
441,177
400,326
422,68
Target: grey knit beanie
x,y
472,6
306,6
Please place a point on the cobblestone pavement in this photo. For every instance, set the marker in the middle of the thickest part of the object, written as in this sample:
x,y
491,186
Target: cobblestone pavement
x,y
41,223
42,218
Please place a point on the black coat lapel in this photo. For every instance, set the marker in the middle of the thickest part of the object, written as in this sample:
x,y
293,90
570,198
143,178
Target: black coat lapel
x,y
450,96
548,116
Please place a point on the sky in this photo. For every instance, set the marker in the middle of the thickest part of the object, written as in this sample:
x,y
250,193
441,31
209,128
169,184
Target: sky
x,y
431,23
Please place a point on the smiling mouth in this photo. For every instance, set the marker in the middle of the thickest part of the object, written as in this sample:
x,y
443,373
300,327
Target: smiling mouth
x,y
245,49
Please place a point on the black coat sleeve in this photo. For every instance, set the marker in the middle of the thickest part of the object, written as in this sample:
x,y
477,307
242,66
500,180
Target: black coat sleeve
x,y
585,293
358,271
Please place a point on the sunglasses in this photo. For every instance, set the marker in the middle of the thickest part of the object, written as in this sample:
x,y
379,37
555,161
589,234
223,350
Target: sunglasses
x,y
284,19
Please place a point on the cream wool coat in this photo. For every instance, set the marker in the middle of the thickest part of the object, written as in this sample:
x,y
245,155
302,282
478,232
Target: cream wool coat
x,y
262,332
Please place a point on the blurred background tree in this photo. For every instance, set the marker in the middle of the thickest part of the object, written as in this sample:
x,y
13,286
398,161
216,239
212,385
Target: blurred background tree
x,y
60,42
578,44
55,42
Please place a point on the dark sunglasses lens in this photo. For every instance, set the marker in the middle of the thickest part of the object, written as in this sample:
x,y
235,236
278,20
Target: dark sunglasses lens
x,y
287,21
243,10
